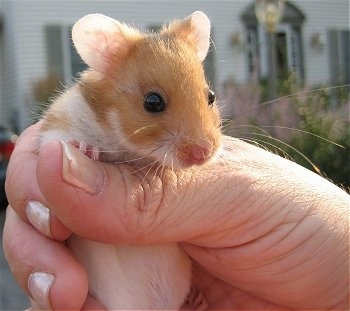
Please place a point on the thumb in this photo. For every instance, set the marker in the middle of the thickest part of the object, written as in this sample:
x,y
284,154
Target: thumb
x,y
119,204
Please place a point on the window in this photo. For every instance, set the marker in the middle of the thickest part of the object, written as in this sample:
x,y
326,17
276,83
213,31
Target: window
x,y
54,55
339,42
288,51
63,61
287,45
252,51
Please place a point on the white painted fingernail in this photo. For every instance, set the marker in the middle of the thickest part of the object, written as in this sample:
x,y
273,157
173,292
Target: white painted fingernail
x,y
39,284
39,217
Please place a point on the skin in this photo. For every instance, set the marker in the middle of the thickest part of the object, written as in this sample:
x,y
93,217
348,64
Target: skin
x,y
263,232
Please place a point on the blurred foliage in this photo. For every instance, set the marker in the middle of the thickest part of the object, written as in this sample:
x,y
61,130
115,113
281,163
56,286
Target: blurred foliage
x,y
319,139
307,125
326,141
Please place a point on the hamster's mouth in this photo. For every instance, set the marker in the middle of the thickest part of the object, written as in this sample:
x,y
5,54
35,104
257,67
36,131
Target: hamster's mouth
x,y
179,156
187,153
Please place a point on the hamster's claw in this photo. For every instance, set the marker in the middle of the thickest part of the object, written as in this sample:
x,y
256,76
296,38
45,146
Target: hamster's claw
x,y
195,301
83,147
95,153
91,151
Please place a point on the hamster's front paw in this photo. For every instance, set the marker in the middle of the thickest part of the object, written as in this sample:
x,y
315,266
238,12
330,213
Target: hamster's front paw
x,y
91,151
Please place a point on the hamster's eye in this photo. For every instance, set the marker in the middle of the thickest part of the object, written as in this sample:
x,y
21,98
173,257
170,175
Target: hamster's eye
x,y
154,103
211,98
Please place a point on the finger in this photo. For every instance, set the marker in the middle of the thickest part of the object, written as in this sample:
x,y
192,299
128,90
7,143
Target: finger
x,y
22,189
90,304
290,262
221,295
116,204
44,268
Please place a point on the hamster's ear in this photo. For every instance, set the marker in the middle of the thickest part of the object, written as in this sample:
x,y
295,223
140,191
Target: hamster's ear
x,y
101,40
196,30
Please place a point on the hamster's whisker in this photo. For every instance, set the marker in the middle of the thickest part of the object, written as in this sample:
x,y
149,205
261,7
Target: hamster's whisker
x,y
313,165
163,140
262,127
150,167
137,170
166,130
147,155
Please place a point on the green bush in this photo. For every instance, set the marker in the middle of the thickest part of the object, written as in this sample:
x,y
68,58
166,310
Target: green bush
x,y
325,140
307,125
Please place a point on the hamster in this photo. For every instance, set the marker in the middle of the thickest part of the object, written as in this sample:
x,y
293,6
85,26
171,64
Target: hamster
x,y
144,98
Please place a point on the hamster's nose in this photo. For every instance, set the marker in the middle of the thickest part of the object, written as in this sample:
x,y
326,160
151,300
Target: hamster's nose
x,y
194,153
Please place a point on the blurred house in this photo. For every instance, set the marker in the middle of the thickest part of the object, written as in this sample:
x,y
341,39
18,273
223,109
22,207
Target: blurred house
x,y
35,44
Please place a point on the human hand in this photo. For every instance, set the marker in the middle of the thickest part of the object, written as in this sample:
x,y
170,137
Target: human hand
x,y
29,251
264,233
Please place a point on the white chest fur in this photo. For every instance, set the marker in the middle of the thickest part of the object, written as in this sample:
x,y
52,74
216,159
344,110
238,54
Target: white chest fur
x,y
137,277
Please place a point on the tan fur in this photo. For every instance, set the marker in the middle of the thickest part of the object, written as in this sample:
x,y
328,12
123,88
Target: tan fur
x,y
181,30
165,64
56,118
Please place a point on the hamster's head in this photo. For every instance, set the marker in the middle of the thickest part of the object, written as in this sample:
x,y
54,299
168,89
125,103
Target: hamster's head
x,y
148,91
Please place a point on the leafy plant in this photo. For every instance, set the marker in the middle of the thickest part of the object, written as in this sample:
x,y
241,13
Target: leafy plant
x,y
309,126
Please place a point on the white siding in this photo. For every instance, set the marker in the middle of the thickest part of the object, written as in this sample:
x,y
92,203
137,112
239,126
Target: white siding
x,y
11,73
2,108
25,46
321,15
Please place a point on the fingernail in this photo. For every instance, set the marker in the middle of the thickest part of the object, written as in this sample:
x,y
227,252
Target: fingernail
x,y
80,171
39,217
39,284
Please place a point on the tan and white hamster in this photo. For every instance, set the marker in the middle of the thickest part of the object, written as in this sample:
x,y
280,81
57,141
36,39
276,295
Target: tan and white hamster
x,y
144,96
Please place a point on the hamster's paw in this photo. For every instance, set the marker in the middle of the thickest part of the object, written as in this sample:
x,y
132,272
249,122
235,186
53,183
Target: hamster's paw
x,y
90,151
195,301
